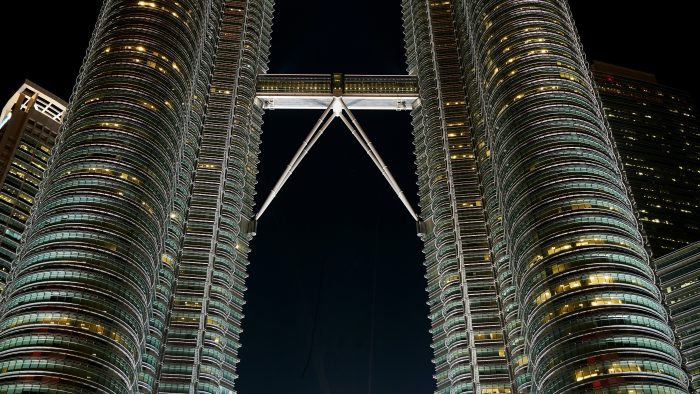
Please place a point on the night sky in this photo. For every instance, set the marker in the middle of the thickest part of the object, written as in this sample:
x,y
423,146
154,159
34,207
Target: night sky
x,y
336,300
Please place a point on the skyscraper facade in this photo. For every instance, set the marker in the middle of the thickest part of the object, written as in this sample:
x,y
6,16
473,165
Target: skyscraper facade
x,y
28,127
658,136
132,273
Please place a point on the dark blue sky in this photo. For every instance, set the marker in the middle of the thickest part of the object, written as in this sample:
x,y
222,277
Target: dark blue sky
x,y
336,291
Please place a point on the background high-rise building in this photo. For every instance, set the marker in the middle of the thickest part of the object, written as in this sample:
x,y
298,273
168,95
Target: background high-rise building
x,y
133,271
29,124
658,136
679,274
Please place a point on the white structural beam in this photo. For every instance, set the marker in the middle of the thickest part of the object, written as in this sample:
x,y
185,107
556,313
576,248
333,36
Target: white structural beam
x,y
305,147
391,103
362,138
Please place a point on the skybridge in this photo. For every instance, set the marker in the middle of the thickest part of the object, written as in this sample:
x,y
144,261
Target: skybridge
x,y
317,91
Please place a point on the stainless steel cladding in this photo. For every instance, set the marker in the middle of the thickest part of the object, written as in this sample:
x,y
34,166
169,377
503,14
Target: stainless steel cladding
x,y
592,318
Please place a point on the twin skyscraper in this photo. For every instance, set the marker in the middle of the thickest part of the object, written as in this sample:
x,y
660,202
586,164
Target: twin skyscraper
x,y
131,277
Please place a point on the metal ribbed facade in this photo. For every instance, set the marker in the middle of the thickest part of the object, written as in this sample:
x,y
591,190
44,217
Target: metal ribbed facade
x,y
204,328
592,319
169,259
501,260
76,312
468,343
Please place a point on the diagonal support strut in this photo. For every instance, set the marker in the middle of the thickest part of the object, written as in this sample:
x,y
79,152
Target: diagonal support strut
x,y
305,147
369,148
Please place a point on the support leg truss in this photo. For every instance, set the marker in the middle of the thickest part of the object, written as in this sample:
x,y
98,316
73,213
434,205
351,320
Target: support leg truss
x,y
305,147
362,138
338,106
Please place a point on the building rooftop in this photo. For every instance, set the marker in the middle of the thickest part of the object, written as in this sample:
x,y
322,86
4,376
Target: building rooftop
x,y
46,102
608,68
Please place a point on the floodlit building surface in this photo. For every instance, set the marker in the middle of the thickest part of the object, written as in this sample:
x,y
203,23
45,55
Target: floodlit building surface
x,y
132,277
29,124
579,306
679,273
658,136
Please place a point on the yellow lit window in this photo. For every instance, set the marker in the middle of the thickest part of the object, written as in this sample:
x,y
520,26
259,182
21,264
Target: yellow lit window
x,y
451,279
167,259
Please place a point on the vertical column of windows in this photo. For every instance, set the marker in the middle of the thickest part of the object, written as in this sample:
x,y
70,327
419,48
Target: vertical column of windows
x,y
184,331
425,121
502,264
161,306
205,326
467,329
